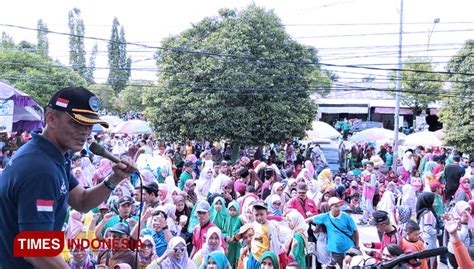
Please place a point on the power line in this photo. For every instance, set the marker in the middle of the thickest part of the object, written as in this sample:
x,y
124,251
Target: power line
x,y
262,73
369,23
377,34
243,57
245,90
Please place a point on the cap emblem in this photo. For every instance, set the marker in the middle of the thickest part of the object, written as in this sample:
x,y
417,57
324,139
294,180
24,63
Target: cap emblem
x,y
94,103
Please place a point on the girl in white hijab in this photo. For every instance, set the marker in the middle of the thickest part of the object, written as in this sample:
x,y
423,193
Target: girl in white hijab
x,y
204,183
387,202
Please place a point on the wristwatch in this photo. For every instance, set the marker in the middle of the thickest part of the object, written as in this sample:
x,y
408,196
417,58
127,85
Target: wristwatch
x,y
109,184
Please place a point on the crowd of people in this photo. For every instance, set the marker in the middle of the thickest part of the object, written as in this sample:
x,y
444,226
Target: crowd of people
x,y
193,208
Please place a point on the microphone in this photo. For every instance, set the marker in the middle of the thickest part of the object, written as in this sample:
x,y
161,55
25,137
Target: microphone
x,y
419,255
100,151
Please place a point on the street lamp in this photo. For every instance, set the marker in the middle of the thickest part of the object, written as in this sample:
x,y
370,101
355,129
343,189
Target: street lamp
x,y
436,21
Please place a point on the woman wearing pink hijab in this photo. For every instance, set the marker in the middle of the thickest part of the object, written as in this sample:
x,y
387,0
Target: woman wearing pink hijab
x,y
309,165
105,168
81,177
74,226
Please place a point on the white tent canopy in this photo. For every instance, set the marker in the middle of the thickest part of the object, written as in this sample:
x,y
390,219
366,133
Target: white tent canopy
x,y
425,138
321,130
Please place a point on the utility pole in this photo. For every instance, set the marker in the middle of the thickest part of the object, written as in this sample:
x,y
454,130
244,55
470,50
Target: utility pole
x,y
397,102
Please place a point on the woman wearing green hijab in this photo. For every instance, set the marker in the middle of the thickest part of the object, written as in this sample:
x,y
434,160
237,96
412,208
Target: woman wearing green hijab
x,y
219,212
231,228
269,261
216,260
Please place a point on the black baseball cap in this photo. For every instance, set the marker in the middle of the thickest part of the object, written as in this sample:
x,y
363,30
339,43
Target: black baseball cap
x,y
126,200
378,217
79,103
120,228
152,187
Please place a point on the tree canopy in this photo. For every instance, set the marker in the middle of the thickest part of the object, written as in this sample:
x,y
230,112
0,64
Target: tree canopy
x,y
457,113
119,63
419,89
36,75
236,76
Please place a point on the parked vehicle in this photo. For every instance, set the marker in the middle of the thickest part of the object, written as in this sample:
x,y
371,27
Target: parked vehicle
x,y
365,125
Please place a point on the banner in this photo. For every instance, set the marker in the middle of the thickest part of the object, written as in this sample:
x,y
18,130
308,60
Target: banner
x,y
6,115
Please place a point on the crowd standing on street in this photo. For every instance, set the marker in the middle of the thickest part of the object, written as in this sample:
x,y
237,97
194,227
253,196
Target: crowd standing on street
x,y
274,207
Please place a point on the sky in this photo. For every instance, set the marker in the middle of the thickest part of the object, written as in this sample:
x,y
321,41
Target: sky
x,y
345,32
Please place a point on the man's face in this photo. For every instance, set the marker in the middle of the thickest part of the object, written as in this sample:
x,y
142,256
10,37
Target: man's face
x,y
335,209
383,227
68,133
137,194
203,217
125,210
248,236
119,237
149,198
260,215
370,168
302,194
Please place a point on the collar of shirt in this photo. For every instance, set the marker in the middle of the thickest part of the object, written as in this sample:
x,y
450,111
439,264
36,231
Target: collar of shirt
x,y
50,148
332,217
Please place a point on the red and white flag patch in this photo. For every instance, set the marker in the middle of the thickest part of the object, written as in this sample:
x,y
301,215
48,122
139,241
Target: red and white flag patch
x,y
62,102
44,205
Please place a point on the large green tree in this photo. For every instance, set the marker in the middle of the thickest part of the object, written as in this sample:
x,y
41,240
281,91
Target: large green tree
x,y
107,96
132,98
236,76
419,89
42,43
89,74
457,113
77,51
119,63
36,75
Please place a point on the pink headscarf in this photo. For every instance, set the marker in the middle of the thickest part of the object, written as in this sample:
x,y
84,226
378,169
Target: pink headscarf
x,y
105,167
81,178
74,226
309,165
463,188
461,208
191,158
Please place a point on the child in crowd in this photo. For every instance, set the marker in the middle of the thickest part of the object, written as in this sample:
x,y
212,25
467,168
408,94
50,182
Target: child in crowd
x,y
265,238
412,241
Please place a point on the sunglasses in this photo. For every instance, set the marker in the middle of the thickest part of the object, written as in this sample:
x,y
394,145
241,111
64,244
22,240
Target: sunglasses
x,y
176,250
277,203
466,182
147,245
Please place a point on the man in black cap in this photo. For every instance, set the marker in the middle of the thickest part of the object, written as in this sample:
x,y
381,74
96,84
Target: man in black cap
x,y
150,195
389,231
122,253
124,208
37,185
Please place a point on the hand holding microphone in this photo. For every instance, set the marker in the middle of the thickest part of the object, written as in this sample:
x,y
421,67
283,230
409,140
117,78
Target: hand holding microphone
x,y
121,168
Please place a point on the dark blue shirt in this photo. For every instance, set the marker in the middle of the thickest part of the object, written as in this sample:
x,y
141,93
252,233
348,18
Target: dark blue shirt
x,y
34,190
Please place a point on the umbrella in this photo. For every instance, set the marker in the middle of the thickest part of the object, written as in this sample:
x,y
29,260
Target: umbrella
x,y
133,127
97,128
374,134
424,138
112,120
321,130
18,111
